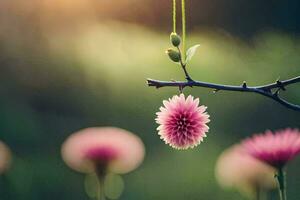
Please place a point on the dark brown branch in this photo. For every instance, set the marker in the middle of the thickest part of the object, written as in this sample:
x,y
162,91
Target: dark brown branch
x,y
265,90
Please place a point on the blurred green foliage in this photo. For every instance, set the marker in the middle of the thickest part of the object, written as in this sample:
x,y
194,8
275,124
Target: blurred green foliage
x,y
55,83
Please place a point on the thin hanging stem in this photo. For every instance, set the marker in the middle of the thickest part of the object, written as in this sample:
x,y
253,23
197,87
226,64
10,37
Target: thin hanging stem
x,y
174,16
282,183
183,29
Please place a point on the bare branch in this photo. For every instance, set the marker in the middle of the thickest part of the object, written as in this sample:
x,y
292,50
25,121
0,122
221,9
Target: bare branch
x,y
265,90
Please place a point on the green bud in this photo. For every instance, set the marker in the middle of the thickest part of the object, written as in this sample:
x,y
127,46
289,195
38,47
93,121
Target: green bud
x,y
173,55
175,39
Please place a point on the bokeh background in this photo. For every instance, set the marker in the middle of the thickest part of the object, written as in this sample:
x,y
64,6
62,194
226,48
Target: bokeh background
x,y
71,64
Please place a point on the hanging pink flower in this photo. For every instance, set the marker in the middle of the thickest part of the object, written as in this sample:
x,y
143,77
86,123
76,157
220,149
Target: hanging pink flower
x,y
276,149
106,149
234,169
182,122
5,157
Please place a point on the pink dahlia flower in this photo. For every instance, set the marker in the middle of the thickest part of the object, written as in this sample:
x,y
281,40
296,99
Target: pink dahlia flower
x,y
182,122
234,169
276,149
5,158
106,148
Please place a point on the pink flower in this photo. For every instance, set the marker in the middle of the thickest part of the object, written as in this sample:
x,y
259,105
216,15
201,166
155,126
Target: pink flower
x,y
106,148
276,149
182,122
234,169
103,154
5,158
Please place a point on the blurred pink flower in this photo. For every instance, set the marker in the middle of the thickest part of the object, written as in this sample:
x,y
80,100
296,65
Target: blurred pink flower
x,y
108,148
235,169
276,149
182,122
5,158
103,154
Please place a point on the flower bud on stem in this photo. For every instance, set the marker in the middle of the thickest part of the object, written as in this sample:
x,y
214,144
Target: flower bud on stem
x,y
173,55
175,39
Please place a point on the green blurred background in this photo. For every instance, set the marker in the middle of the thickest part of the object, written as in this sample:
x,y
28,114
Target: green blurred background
x,y
71,64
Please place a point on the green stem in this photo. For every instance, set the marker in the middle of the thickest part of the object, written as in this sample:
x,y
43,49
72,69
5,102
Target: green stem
x,y
257,193
281,183
174,16
100,191
260,193
5,189
183,29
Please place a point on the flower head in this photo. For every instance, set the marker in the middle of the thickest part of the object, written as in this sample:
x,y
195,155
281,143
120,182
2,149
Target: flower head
x,y
235,169
5,157
108,148
276,148
182,122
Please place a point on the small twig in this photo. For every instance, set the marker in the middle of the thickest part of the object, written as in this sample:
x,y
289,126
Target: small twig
x,y
265,90
183,66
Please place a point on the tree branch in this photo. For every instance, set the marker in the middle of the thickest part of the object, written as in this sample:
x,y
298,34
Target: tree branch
x,y
271,90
